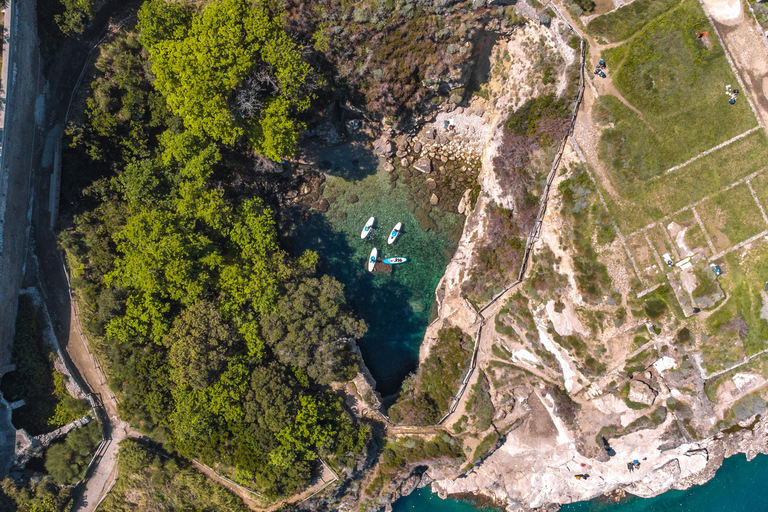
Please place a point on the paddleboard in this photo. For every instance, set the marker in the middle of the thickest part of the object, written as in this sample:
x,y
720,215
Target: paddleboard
x,y
372,259
395,261
394,234
367,228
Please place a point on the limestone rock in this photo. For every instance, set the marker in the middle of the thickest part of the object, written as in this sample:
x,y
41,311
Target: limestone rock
x,y
401,153
384,147
403,162
417,147
464,202
323,205
641,393
424,165
430,183
388,167
434,200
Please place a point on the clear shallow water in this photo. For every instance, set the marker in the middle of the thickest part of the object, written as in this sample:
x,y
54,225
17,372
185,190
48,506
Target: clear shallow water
x,y
739,486
398,306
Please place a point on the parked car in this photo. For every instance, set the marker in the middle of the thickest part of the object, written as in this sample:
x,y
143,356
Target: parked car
x,y
668,259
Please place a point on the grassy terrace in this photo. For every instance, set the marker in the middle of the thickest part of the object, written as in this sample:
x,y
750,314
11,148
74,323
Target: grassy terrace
x,y
650,201
731,217
625,22
678,84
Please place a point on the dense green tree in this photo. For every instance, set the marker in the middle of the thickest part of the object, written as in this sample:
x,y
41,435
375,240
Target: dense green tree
x,y
229,72
76,15
42,496
309,326
200,343
66,462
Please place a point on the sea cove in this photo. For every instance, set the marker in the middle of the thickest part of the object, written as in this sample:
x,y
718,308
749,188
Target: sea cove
x,y
397,306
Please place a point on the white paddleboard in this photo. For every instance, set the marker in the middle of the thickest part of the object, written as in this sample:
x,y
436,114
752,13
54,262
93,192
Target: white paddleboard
x,y
395,233
367,229
372,259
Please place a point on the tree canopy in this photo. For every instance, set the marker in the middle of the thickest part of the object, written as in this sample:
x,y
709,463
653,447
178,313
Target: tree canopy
x,y
216,340
229,72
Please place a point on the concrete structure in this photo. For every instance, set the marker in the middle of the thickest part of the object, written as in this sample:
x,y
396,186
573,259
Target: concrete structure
x,y
18,104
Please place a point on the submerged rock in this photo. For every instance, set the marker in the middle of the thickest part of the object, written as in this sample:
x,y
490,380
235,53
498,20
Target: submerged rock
x,y
434,200
430,183
323,205
353,199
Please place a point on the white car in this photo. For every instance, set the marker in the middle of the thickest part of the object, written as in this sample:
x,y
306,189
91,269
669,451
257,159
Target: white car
x,y
668,259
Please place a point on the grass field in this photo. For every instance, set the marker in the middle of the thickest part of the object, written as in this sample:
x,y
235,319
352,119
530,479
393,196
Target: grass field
x,y
626,21
743,281
731,217
645,202
644,258
678,84
760,186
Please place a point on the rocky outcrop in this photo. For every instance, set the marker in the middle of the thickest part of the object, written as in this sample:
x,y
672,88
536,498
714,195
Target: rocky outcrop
x,y
384,147
641,393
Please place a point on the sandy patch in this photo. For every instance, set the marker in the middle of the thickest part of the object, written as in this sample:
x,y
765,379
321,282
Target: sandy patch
x,y
728,12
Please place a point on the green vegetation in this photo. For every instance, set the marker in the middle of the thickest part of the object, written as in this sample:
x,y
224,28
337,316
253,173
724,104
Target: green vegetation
x,y
676,82
231,53
705,282
740,316
34,496
485,447
656,418
48,404
579,208
409,450
426,396
67,461
149,482
626,21
578,347
640,362
731,217
76,16
216,341
479,406
708,175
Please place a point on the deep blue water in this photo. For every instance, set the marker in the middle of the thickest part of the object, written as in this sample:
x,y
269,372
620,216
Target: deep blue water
x,y
739,486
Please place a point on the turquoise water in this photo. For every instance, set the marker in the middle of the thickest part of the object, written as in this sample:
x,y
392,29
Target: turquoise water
x,y
739,486
397,307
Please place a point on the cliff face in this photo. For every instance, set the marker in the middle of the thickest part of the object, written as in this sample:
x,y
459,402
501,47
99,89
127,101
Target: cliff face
x,y
527,473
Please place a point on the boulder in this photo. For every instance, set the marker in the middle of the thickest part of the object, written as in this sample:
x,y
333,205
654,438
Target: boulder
x,y
434,200
384,147
464,203
353,199
328,133
323,205
401,153
417,147
403,162
430,183
424,165
388,167
641,393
